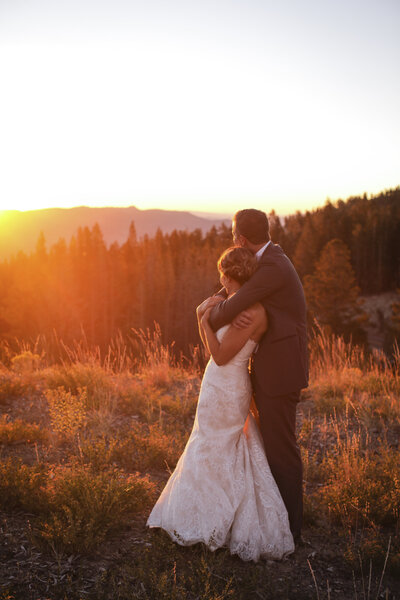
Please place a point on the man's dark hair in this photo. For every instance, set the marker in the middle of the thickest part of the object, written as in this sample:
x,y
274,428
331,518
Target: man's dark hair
x,y
253,225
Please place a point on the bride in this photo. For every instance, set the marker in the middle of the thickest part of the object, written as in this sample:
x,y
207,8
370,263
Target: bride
x,y
222,492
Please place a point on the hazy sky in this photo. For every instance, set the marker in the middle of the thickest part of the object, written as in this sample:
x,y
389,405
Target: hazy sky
x,y
198,105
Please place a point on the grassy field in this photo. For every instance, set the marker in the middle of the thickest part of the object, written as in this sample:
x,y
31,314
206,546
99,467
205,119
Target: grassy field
x,y
86,447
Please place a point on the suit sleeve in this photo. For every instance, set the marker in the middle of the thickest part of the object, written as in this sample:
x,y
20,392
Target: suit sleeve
x,y
265,281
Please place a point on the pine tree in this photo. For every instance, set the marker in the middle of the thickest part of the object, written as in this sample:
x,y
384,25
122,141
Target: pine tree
x,y
307,249
41,251
132,236
332,292
276,230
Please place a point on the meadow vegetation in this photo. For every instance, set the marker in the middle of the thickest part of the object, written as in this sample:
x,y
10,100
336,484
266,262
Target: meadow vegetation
x,y
87,445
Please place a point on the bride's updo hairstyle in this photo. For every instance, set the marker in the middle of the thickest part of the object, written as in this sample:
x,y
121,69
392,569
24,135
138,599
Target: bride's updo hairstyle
x,y
237,263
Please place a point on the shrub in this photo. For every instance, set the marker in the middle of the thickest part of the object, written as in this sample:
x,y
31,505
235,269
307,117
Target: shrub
x,y
362,485
67,411
85,507
76,507
11,386
160,448
22,487
374,546
143,447
374,410
101,453
96,380
12,432
138,399
149,447
152,403
181,405
26,362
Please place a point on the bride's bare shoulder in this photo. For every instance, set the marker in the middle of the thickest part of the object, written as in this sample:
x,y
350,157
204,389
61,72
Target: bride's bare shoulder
x,y
259,315
257,309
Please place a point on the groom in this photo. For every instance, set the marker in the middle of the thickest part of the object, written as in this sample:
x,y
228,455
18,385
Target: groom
x,y
279,368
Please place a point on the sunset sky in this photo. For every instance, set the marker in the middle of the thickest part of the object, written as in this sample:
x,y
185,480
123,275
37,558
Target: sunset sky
x,y
198,105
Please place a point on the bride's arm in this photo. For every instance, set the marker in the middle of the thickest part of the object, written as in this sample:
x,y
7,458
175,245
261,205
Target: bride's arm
x,y
202,333
233,340
207,304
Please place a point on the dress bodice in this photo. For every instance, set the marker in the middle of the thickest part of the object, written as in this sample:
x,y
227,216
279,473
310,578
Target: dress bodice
x,y
242,357
226,388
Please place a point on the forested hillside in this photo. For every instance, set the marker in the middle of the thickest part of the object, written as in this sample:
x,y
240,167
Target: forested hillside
x,y
370,228
83,284
19,229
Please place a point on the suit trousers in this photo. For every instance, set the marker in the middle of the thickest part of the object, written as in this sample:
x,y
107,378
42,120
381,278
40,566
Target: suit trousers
x,y
278,429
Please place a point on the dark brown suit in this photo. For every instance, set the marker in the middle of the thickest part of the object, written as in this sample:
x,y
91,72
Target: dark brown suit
x,y
279,368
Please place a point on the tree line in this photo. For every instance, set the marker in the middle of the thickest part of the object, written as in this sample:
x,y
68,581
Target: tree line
x,y
339,250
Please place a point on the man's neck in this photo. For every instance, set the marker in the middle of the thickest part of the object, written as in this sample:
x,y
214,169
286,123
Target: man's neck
x,y
256,247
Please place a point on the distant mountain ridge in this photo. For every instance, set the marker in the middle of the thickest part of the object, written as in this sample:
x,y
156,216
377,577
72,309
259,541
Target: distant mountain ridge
x,y
19,230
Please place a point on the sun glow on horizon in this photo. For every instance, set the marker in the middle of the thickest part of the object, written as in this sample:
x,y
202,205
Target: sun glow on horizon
x,y
220,208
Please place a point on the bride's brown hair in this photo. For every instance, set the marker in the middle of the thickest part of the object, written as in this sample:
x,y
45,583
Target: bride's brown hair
x,y
237,263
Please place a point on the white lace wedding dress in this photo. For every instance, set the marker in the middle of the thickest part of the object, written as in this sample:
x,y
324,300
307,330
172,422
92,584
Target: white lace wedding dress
x,y
222,492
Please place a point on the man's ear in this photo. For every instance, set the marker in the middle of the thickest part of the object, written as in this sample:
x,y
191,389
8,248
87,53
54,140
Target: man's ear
x,y
242,241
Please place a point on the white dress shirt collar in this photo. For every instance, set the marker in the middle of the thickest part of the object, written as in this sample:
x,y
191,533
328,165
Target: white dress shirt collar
x,y
260,252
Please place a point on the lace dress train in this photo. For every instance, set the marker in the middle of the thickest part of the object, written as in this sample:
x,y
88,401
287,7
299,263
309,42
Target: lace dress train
x,y
222,492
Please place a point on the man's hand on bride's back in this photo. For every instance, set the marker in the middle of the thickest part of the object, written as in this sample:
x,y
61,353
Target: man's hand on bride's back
x,y
208,303
243,320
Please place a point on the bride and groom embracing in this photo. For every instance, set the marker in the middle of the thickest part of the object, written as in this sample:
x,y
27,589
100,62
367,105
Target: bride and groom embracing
x,y
239,484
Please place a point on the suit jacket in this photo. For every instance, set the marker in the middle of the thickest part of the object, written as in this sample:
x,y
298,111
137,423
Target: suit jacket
x,y
280,364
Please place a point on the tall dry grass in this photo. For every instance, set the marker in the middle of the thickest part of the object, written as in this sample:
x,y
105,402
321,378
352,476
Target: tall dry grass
x,y
350,446
338,367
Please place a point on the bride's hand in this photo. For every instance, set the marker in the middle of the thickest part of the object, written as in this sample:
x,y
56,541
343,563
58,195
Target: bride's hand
x,y
208,303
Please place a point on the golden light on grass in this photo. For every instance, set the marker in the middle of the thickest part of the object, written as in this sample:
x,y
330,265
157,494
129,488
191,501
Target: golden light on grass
x,y
115,456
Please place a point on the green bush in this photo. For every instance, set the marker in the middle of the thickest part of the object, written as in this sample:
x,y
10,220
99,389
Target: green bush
x,y
85,506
